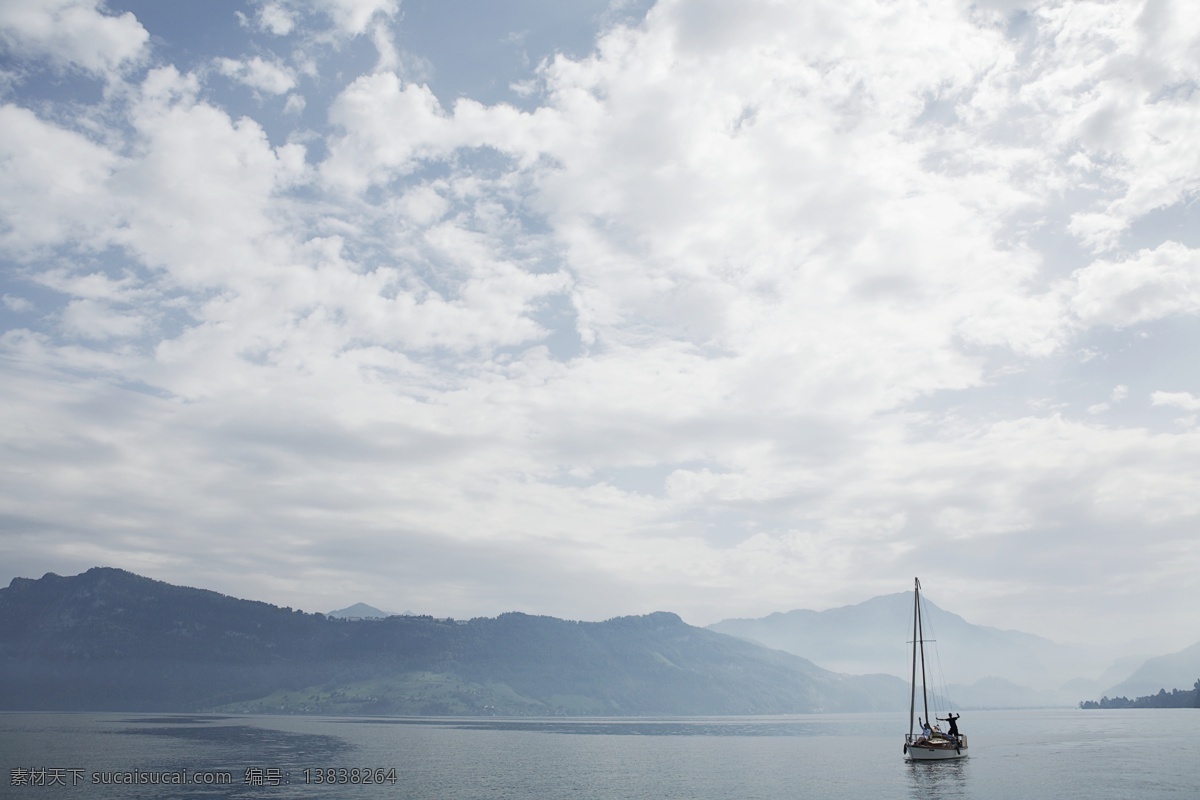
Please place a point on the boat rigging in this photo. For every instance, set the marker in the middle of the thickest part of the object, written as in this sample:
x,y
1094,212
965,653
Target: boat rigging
x,y
929,743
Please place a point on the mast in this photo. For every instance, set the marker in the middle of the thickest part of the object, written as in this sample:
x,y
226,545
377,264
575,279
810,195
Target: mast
x,y
912,696
921,641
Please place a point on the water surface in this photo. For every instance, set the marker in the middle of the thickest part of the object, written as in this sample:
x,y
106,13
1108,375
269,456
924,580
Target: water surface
x,y
1065,754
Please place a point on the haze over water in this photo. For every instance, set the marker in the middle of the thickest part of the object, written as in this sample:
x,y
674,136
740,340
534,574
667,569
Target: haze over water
x,y
1029,754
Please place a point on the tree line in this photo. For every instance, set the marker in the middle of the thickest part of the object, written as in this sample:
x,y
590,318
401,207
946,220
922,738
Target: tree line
x,y
1176,698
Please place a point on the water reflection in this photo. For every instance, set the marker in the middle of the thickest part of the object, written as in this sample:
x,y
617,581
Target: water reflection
x,y
938,780
231,749
266,745
733,726
681,728
175,719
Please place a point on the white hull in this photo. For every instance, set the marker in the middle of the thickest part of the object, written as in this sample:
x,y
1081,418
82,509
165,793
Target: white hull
x,y
935,752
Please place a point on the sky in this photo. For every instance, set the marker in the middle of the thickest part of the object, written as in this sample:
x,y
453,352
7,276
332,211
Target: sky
x,y
600,308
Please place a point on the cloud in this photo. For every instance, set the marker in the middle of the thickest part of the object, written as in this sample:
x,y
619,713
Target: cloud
x,y
353,17
257,73
1184,400
275,18
295,104
52,183
1119,393
18,305
1152,284
75,32
199,189
1118,82
90,319
388,127
735,302
744,199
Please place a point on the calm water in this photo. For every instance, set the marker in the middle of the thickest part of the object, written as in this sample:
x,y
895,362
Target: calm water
x,y
1030,754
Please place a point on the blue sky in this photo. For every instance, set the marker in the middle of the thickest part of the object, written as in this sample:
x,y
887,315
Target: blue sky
x,y
600,308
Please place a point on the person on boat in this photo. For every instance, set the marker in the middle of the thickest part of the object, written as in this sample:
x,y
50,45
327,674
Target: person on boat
x,y
952,720
926,731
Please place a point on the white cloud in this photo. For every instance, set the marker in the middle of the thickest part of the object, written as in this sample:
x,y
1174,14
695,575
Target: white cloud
x,y
1150,285
74,32
354,16
94,286
257,73
1119,393
18,305
389,56
388,128
753,299
742,198
201,185
52,183
1116,79
295,104
1185,400
277,19
91,319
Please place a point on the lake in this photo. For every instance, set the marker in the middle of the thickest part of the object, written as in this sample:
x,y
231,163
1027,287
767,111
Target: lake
x,y
1057,754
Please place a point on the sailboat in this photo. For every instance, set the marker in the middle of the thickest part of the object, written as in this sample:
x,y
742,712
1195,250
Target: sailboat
x,y
929,743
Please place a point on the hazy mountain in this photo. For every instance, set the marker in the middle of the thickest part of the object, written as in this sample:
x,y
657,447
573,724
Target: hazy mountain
x,y
1173,671
111,640
1093,688
361,611
874,636
1001,693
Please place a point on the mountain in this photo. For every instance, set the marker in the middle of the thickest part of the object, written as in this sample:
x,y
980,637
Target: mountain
x,y
874,636
1001,693
361,611
111,640
1172,671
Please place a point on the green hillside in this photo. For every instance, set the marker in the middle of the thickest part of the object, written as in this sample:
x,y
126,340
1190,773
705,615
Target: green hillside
x,y
111,640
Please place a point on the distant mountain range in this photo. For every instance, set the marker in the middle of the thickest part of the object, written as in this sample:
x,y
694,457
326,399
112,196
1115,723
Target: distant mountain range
x,y
981,667
112,640
364,611
1172,671
874,636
